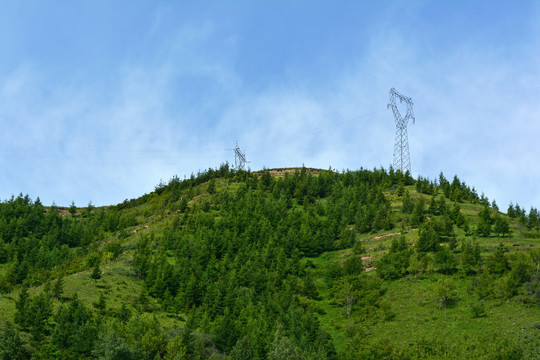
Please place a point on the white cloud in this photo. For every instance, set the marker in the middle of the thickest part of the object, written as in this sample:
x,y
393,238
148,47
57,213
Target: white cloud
x,y
96,139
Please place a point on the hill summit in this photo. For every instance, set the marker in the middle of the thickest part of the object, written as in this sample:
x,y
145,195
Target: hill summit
x,y
275,264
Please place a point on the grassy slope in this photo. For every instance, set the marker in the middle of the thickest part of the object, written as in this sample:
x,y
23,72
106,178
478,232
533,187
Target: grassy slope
x,y
417,315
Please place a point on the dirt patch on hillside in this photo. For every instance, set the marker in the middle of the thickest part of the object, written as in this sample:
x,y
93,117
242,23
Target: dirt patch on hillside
x,y
379,237
282,172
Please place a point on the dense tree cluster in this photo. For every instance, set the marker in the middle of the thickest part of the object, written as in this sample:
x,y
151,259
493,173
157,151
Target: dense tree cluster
x,y
34,240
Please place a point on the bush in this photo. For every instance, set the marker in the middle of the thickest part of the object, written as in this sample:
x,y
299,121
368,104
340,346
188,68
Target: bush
x,y
478,310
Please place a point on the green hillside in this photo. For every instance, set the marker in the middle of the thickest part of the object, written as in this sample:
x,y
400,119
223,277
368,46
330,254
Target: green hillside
x,y
276,264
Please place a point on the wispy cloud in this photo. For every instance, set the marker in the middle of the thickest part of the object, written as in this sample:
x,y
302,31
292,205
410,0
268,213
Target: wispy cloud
x,y
184,96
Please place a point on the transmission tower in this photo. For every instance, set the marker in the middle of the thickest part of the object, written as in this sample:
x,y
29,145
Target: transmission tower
x,y
239,158
402,159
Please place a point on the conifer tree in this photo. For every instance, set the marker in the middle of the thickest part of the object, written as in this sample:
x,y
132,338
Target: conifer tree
x,y
96,272
11,344
22,308
501,227
408,203
72,208
418,213
40,309
470,257
123,313
428,238
497,263
58,288
101,304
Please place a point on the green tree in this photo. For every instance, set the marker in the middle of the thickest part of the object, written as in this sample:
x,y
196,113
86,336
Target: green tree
x,y
478,310
483,228
111,346
444,293
243,349
72,208
40,308
212,186
22,315
428,238
501,227
145,331
484,222
11,345
175,349
89,209
432,208
408,203
353,265
101,304
58,288
347,296
309,289
282,347
96,272
396,263
124,313
418,215
470,257
445,262
506,286
75,330
497,263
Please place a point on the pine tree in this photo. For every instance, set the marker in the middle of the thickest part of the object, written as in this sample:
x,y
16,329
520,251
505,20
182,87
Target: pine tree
x,y
418,213
470,257
501,227
101,305
497,263
110,345
11,345
72,209
40,309
96,272
58,288
408,203
445,262
428,238
22,308
123,313
484,222
511,212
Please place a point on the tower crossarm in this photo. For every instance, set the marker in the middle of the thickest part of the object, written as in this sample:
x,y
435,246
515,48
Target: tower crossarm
x,y
401,121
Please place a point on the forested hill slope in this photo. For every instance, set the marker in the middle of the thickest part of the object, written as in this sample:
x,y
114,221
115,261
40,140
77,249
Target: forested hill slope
x,y
276,264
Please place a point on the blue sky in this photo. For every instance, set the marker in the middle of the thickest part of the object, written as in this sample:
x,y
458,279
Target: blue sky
x,y
99,100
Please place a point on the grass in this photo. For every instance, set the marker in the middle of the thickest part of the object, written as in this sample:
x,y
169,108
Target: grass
x,y
416,311
417,315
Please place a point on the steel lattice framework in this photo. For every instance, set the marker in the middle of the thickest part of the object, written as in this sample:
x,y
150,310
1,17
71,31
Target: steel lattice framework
x,y
402,159
239,158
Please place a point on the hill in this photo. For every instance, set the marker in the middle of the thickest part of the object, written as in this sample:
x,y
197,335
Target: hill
x,y
276,264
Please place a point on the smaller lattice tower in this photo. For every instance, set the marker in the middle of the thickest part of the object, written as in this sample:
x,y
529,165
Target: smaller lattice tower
x,y
239,158
402,159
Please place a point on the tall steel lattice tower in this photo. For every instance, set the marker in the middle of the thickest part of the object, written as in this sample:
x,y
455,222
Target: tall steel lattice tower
x,y
402,159
239,158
